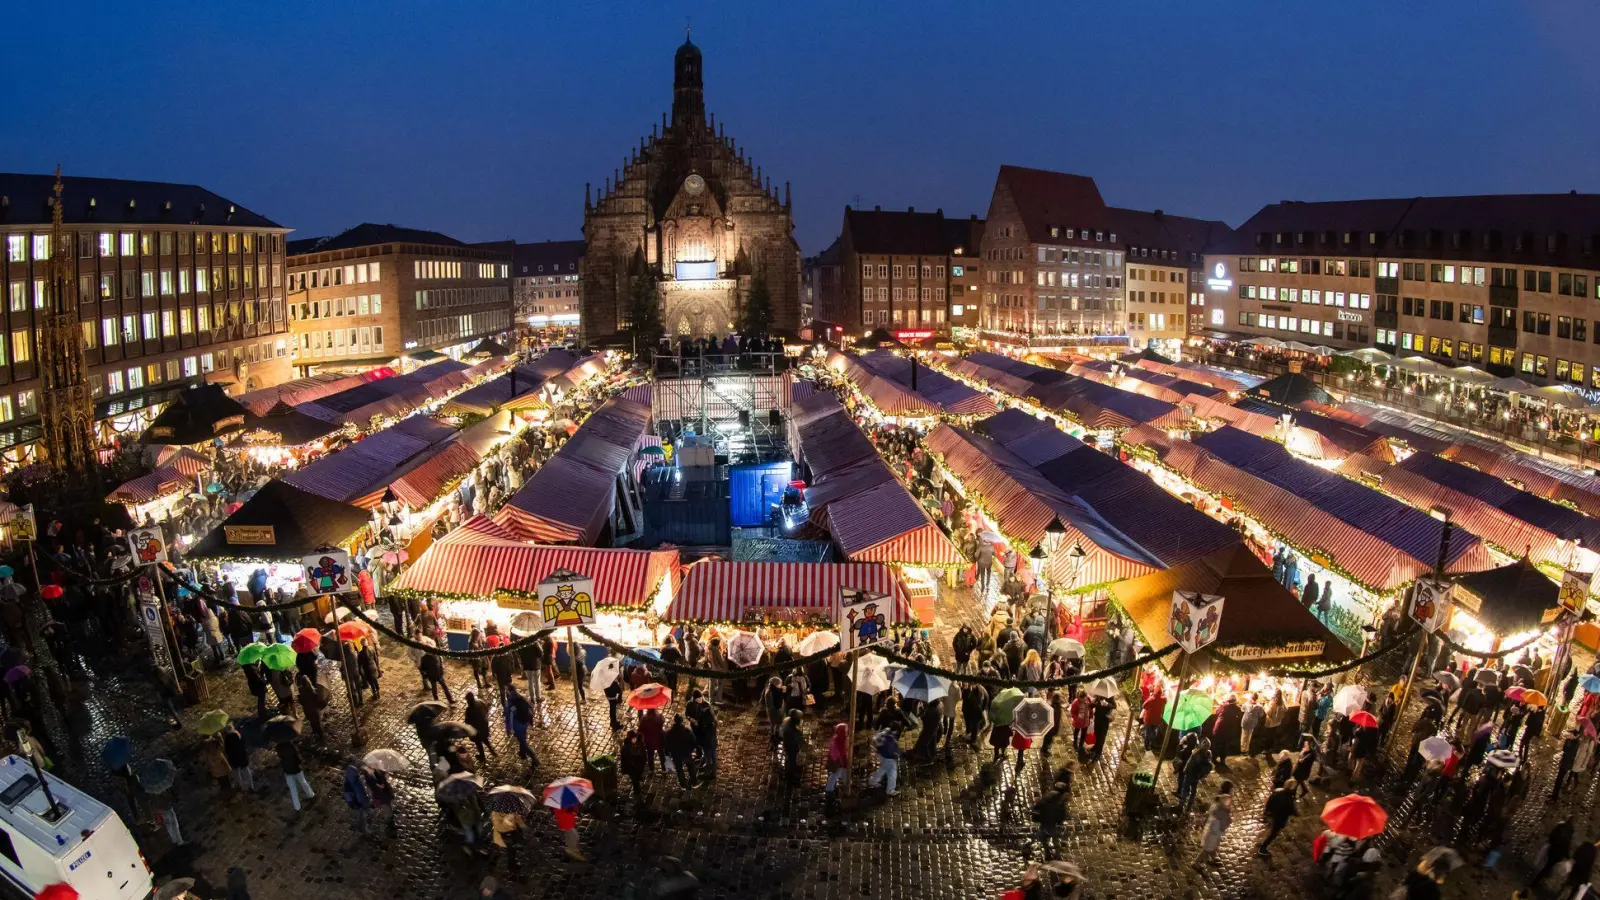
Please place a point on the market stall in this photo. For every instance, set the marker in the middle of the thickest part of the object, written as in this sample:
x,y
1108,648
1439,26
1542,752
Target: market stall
x,y
484,573
781,597
198,414
149,497
304,390
587,485
1321,437
1505,607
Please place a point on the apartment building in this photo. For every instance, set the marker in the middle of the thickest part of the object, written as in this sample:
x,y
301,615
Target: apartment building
x,y
175,285
547,284
1500,282
1164,253
901,271
367,296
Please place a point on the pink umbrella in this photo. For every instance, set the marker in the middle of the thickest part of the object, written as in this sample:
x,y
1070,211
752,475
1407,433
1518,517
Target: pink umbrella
x,y
650,696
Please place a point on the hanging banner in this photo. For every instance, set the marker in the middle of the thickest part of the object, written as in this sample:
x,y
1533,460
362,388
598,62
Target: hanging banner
x,y
1575,590
24,527
1430,603
863,618
154,627
147,546
567,598
1196,619
327,572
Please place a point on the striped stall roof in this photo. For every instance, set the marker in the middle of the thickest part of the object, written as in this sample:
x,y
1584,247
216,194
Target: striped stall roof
x,y
1215,410
638,393
1019,368
164,480
1516,516
1035,441
497,393
184,459
886,524
1321,436
476,565
359,471
304,390
890,383
832,444
1580,490
571,497
1099,405
716,591
1192,373
426,481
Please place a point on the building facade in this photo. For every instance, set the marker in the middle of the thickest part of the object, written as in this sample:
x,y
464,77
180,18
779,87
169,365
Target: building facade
x,y
688,209
547,285
1504,283
901,271
373,293
1163,255
175,285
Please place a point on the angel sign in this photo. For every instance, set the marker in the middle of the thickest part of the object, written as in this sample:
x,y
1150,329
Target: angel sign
x,y
567,598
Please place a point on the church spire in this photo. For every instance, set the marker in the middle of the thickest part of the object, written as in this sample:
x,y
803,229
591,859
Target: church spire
x,y
688,93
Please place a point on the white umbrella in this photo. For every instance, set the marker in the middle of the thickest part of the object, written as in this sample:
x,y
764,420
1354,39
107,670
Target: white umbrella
x,y
605,672
1434,749
1102,687
818,641
872,674
338,615
1066,648
1349,698
386,760
744,649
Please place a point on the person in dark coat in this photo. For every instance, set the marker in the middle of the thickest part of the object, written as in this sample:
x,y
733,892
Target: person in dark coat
x,y
1283,770
305,662
653,731
792,738
681,746
613,692
703,721
1304,764
521,717
283,690
965,644
477,715
927,745
634,760
256,681
1226,731
312,700
1103,708
974,703
1280,808
1192,771
504,668
367,659
433,676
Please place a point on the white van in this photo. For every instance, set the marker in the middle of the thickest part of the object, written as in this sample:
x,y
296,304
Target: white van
x,y
85,844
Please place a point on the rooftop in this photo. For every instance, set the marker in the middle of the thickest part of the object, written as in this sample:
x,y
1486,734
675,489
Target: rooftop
x,y
26,200
368,234
908,232
547,258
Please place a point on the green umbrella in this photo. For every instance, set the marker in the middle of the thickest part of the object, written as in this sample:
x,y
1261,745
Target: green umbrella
x,y
278,657
1192,708
652,451
1004,704
251,653
212,722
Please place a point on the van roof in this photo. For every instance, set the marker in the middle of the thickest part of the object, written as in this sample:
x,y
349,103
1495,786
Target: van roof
x,y
26,816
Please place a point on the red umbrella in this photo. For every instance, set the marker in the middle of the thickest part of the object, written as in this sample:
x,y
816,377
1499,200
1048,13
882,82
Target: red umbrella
x,y
303,644
1364,719
58,891
650,696
53,592
1354,816
350,631
311,634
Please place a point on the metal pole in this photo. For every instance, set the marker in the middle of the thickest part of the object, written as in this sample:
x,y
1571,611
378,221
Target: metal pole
x,y
577,695
850,725
22,738
27,633
1166,733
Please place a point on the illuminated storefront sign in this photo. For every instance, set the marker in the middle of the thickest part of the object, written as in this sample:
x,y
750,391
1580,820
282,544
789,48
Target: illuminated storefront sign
x,y
1219,280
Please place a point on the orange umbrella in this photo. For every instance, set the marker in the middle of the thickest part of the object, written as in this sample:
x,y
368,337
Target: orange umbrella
x,y
303,644
1354,816
1535,698
350,631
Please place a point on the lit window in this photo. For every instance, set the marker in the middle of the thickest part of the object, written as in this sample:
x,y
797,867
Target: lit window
x,y
20,349
41,247
17,247
135,378
125,243
114,382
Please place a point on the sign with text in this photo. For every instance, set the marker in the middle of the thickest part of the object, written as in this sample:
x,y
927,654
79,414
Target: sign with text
x,y
567,598
252,535
154,627
1430,603
1575,590
1196,619
147,545
328,572
24,527
863,619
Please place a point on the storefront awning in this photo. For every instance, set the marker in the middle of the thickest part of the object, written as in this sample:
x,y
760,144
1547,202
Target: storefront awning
x,y
716,591
137,491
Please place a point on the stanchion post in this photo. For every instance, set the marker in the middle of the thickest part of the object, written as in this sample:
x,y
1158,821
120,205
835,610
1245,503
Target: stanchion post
x,y
850,725
1171,714
577,695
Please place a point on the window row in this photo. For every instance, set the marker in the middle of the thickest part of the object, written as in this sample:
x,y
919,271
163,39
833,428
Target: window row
x,y
900,271
1351,268
446,328
360,305
904,317
1305,295
361,341
1155,275
128,244
439,298
357,273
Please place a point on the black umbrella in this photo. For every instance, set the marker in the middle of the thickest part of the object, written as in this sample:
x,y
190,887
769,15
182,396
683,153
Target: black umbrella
x,y
280,729
452,731
458,787
425,712
510,798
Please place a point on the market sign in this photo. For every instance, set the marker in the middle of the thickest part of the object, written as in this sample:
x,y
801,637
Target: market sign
x,y
567,598
24,527
912,335
1196,619
1290,650
225,423
1574,590
515,601
863,618
1430,603
327,572
154,627
147,546
255,535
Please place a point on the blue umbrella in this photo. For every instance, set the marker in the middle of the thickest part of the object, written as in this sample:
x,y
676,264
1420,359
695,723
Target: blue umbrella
x,y
650,652
6,572
1590,684
915,684
117,752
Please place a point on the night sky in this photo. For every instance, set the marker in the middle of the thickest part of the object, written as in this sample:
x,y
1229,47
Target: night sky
x,y
486,126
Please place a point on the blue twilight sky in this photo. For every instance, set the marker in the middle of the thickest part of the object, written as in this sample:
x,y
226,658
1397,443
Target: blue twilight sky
x,y
483,119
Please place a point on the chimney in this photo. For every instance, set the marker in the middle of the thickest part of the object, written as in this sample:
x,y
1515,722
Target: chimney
x,y
911,209
877,209
1159,213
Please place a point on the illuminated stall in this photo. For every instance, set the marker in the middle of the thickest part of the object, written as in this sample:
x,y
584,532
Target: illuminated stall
x,y
198,414
1505,607
780,601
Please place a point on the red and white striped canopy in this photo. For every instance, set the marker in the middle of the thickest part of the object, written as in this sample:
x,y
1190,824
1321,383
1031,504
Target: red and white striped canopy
x,y
475,562
716,591
184,459
423,484
885,524
163,481
565,502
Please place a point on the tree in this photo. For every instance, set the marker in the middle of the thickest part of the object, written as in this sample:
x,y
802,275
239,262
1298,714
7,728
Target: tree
x,y
757,318
644,313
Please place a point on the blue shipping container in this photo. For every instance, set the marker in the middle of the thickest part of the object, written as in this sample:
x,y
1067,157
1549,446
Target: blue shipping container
x,y
753,489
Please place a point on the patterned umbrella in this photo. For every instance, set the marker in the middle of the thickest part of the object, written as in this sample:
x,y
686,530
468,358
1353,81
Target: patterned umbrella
x,y
915,684
458,788
1033,717
565,793
1502,759
510,798
386,760
1004,704
650,696
745,649
1590,684
526,622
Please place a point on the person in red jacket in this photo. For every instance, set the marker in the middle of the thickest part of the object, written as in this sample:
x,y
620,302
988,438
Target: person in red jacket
x,y
1154,706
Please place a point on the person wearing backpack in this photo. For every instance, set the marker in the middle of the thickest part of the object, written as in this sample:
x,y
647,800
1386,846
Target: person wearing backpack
x,y
887,743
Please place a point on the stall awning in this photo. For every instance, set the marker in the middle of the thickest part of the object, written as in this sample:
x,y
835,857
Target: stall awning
x,y
423,484
196,414
716,591
1508,600
564,502
1261,620
184,460
282,522
885,524
136,491
285,426
516,385
474,563
358,470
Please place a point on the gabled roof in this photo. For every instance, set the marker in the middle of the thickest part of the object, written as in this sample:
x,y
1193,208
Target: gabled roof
x,y
107,200
302,522
556,257
1053,199
1509,599
197,414
906,232
368,234
1291,389
1318,222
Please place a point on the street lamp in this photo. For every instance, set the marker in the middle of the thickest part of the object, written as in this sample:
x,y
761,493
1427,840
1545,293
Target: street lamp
x,y
1054,534
1036,558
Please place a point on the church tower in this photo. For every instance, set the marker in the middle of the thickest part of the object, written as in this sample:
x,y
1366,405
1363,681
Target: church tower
x,y
688,93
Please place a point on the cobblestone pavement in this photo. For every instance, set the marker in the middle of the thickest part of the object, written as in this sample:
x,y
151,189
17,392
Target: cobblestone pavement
x,y
949,833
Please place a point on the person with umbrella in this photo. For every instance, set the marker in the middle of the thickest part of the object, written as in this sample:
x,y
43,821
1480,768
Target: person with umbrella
x,y
1082,713
477,716
216,762
682,749
357,797
521,716
703,721
238,756
294,773
563,797
313,699
504,668
256,681
367,662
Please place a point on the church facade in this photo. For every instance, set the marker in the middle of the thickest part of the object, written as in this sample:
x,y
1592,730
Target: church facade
x,y
689,208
